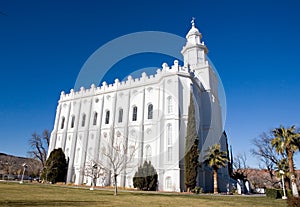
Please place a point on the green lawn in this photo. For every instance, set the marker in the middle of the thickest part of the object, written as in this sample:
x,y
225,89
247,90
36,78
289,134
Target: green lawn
x,y
14,194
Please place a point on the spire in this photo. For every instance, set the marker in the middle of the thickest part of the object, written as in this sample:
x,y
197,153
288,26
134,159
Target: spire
x,y
193,21
194,32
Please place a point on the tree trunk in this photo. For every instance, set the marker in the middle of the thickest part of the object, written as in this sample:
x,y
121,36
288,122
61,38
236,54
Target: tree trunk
x,y
287,183
292,172
215,181
116,184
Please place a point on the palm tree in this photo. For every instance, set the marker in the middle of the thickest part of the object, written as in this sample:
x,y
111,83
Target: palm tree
x,y
286,142
216,159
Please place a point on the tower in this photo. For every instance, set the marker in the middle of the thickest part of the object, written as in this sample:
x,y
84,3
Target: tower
x,y
205,91
195,58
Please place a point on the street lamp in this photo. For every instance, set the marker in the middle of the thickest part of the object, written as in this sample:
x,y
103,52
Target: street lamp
x,y
24,169
283,188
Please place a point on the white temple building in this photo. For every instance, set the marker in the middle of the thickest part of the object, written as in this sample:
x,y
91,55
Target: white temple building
x,y
150,112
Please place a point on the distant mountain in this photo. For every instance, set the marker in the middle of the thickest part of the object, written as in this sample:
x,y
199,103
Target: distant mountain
x,y
13,165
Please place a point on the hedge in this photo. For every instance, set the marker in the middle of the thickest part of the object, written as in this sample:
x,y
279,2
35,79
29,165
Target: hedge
x,y
277,193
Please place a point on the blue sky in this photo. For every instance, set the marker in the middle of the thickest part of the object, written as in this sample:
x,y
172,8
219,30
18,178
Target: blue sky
x,y
253,44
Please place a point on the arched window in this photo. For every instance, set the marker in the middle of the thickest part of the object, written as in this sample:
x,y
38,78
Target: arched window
x,y
169,134
134,113
148,152
150,111
170,104
120,119
72,121
62,122
107,117
95,118
168,183
83,120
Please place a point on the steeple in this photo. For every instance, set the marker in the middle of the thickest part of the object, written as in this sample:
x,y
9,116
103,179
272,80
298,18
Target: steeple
x,y
194,50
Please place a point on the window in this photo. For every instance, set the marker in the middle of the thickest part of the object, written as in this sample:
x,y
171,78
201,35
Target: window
x,y
73,121
62,122
120,119
134,113
168,183
169,154
169,134
148,152
170,104
150,111
95,118
83,120
107,117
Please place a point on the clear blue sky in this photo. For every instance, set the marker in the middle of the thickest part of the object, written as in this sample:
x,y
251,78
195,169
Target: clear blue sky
x,y
253,43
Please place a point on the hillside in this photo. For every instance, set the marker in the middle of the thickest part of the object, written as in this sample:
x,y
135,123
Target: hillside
x,y
13,165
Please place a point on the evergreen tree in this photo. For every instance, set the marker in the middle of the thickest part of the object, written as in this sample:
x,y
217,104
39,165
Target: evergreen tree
x,y
191,150
55,169
146,177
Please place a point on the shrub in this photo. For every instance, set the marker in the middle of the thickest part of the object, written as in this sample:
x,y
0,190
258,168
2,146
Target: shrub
x,y
272,193
146,177
197,190
277,193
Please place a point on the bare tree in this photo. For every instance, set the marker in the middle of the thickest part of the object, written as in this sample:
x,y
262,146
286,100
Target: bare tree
x,y
240,167
119,155
94,170
264,150
39,146
267,155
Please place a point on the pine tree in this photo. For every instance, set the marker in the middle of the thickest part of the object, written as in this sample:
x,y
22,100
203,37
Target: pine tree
x,y
191,150
55,169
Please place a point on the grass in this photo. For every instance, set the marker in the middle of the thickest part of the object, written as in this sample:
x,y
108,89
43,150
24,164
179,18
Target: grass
x,y
14,194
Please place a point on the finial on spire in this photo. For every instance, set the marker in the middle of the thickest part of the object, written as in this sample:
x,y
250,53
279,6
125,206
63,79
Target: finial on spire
x,y
193,21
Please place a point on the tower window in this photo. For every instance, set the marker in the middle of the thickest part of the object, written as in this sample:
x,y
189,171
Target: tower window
x,y
120,119
95,118
83,120
107,117
134,113
150,111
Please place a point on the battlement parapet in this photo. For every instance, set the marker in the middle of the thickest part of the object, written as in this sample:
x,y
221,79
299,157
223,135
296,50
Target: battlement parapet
x,y
144,79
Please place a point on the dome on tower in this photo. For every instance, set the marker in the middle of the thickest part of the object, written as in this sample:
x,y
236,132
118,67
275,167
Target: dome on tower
x,y
193,30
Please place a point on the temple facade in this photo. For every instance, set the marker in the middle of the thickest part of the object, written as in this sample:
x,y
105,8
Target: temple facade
x,y
149,114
